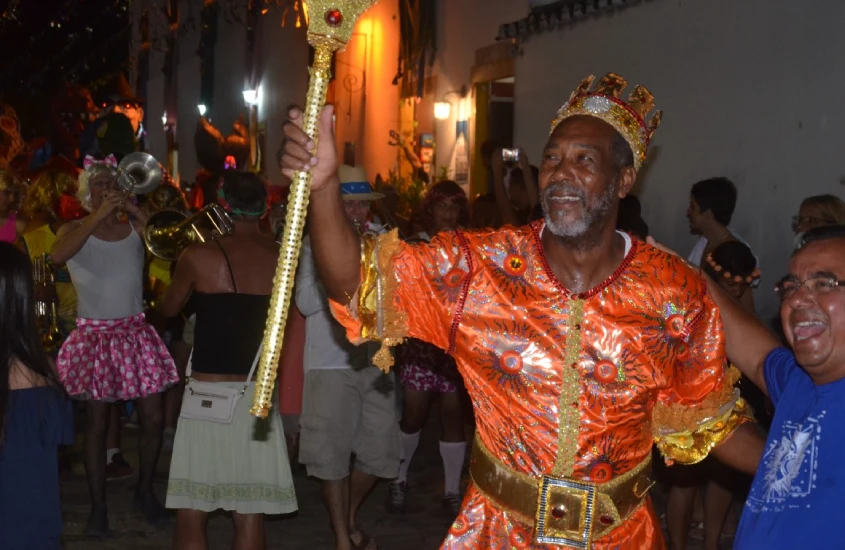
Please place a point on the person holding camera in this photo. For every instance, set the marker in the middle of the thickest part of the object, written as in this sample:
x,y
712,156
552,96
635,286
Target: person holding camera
x,y
515,187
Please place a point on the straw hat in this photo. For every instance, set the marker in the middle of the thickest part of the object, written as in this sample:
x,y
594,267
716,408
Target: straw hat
x,y
354,185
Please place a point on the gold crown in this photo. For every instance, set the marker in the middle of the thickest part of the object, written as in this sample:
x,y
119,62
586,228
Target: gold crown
x,y
627,117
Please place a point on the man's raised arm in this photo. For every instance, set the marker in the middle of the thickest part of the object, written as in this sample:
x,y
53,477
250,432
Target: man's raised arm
x,y
335,243
747,340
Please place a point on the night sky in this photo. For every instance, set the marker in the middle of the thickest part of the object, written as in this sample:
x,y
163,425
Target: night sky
x,y
46,41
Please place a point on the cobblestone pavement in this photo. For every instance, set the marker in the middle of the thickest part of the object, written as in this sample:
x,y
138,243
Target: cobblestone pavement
x,y
422,527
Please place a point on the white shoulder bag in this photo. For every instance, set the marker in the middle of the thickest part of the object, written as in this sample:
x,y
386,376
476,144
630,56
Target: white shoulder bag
x,y
212,401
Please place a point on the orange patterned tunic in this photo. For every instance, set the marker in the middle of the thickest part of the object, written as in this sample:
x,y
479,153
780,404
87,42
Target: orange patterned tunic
x,y
579,386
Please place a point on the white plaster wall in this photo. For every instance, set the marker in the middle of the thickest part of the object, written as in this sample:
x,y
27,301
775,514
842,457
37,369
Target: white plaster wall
x,y
751,90
154,107
229,78
464,26
282,77
280,71
188,93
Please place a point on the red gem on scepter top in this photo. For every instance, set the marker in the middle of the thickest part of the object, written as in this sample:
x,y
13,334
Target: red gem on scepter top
x,y
334,17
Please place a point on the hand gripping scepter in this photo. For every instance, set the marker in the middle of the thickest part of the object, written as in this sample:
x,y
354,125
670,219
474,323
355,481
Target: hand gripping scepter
x,y
329,29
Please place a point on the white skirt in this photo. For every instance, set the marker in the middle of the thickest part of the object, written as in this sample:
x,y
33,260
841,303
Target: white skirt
x,y
241,467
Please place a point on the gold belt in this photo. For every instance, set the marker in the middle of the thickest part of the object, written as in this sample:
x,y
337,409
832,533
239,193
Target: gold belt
x,y
564,511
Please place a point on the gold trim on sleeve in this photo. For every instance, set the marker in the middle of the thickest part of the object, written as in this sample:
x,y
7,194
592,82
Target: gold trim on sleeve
x,y
381,320
693,446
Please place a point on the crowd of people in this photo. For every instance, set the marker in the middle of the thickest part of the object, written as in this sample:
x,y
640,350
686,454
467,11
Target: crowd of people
x,y
556,339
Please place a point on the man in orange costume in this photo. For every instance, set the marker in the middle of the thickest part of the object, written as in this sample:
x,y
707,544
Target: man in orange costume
x,y
580,347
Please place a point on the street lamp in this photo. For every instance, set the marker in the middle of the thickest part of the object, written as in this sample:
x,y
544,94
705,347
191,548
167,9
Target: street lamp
x,y
251,97
251,100
202,109
164,119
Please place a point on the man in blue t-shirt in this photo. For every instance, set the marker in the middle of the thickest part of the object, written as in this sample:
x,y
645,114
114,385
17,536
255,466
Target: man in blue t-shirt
x,y
795,500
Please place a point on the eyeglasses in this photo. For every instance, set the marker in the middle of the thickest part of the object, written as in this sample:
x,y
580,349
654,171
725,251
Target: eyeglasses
x,y
807,220
787,288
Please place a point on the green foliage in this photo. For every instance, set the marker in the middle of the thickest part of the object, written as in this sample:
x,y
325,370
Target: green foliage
x,y
408,189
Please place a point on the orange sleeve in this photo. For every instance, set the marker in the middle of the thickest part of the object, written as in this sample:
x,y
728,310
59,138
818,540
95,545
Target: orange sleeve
x,y
700,407
407,290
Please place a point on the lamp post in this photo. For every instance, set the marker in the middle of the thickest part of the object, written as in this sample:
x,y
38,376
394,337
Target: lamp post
x,y
251,100
443,112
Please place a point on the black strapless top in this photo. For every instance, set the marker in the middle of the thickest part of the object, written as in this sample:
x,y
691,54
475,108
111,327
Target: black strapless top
x,y
229,330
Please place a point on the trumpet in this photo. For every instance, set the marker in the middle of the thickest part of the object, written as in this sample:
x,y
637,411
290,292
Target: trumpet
x,y
169,232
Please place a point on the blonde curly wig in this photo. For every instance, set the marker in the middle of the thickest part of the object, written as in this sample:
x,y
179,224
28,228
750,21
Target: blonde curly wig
x,y
93,172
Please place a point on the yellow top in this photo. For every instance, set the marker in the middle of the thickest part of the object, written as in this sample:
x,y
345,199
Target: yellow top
x,y
160,271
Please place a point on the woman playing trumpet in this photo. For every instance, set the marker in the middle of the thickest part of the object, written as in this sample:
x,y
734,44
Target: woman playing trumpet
x,y
113,355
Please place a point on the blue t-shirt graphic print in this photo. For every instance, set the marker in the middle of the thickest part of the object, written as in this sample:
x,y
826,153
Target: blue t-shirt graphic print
x,y
795,499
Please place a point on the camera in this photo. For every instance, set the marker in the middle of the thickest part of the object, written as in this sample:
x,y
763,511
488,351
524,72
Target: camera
x,y
510,155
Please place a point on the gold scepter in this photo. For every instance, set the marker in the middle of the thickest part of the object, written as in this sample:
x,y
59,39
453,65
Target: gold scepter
x,y
330,27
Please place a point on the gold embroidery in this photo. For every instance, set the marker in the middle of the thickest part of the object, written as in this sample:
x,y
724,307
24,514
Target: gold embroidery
x,y
368,291
570,391
381,320
679,418
691,447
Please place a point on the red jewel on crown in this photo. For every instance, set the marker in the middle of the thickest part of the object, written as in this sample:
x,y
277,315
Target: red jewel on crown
x,y
334,18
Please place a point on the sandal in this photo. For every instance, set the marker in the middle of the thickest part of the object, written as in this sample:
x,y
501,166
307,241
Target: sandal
x,y
365,541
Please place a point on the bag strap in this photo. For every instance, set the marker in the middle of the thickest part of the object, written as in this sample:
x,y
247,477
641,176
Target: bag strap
x,y
254,364
248,376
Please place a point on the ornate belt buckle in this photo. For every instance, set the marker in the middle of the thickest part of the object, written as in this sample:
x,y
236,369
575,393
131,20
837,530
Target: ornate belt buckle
x,y
565,511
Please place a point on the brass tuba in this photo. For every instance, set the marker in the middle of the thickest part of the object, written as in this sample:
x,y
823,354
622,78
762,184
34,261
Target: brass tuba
x,y
169,232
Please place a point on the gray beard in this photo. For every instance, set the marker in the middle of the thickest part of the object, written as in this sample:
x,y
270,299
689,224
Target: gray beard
x,y
585,232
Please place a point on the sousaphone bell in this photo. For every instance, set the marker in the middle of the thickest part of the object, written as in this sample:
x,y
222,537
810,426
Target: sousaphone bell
x,y
169,232
138,174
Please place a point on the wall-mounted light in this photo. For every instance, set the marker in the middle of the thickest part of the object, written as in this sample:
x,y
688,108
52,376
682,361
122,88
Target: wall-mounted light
x,y
251,97
202,109
164,119
442,110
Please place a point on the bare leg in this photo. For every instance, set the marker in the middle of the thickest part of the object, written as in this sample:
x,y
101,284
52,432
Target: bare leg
x,y
679,515
360,485
173,397
336,497
717,503
191,526
150,414
95,465
249,532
